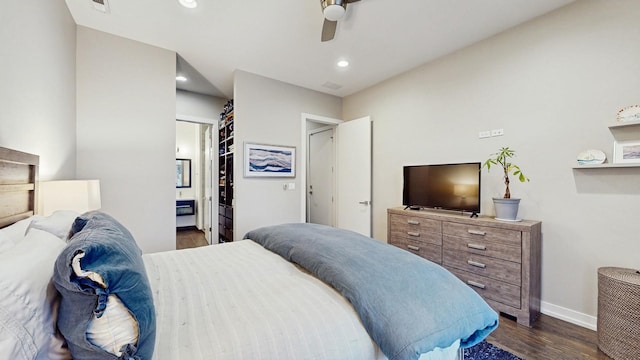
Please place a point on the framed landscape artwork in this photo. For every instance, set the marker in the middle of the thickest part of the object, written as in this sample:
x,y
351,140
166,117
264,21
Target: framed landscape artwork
x,y
262,160
625,152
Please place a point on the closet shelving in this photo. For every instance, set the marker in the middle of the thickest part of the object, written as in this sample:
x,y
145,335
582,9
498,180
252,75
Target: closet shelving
x,y
226,149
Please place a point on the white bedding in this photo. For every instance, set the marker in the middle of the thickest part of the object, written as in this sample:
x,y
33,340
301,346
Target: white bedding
x,y
240,301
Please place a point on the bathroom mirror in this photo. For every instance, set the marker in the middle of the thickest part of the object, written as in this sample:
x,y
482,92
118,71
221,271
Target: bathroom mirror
x,y
183,173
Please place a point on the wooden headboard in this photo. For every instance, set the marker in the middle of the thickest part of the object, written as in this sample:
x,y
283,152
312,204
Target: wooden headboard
x,y
18,179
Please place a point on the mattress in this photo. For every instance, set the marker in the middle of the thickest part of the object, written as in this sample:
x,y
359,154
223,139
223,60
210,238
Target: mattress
x,y
240,301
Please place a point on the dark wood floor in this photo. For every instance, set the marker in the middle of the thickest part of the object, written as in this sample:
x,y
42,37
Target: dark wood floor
x,y
189,238
548,339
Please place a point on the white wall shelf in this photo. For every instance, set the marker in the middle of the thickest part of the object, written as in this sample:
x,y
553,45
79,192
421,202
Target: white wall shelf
x,y
620,125
624,124
606,166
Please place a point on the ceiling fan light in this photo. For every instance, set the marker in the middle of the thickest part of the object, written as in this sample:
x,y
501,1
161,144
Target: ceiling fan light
x,y
333,12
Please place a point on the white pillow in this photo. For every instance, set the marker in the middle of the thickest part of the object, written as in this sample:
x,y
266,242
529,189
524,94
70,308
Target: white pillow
x,y
28,299
58,223
114,329
14,233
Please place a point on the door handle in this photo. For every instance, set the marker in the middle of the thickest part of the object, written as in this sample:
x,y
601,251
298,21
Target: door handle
x,y
366,202
477,246
476,264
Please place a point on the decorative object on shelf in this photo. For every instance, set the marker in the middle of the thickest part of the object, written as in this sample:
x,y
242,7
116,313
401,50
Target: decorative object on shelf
x,y
629,113
506,207
626,152
591,157
269,160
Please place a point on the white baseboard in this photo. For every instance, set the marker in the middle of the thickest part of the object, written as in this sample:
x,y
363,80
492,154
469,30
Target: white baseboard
x,y
568,315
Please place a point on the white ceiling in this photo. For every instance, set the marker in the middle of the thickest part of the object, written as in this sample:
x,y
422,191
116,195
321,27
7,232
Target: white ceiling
x,y
280,39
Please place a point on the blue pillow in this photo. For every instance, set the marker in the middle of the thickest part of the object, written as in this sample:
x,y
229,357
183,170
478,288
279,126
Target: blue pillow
x,y
111,252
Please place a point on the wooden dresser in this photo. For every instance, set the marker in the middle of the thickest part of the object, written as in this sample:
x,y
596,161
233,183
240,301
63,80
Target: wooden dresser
x,y
500,260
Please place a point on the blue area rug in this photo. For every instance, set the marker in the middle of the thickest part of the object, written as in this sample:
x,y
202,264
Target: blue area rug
x,y
486,351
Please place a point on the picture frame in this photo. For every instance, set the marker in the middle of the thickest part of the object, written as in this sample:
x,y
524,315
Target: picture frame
x,y
273,161
626,152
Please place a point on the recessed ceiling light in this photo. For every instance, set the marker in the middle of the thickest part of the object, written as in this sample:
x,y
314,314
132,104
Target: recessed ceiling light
x,y
181,78
343,63
188,3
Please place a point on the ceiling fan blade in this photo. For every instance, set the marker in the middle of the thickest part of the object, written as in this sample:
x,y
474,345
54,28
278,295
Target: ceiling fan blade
x,y
328,30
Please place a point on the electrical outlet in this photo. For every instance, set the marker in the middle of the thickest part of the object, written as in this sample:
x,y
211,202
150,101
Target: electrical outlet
x,y
497,132
484,134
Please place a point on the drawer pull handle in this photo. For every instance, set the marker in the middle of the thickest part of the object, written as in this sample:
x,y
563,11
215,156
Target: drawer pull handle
x,y
413,222
411,233
476,284
476,232
476,264
477,247
413,248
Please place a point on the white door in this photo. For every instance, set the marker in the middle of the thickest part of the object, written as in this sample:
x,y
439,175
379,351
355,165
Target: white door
x,y
353,143
320,177
208,185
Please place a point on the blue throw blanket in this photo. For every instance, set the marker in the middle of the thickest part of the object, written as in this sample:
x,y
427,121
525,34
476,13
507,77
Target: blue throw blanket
x,y
408,305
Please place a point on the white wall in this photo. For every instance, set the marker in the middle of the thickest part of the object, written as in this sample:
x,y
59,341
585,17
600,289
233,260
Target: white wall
x,y
198,107
554,85
269,112
38,112
126,132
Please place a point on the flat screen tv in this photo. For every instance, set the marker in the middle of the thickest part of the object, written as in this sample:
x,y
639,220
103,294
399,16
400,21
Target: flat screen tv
x,y
444,186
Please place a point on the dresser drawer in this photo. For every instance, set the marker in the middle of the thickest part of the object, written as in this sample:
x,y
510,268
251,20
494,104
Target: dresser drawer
x,y
416,229
427,251
490,234
497,269
481,246
491,289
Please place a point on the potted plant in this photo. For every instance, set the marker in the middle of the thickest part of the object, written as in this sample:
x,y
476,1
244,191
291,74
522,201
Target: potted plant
x,y
506,207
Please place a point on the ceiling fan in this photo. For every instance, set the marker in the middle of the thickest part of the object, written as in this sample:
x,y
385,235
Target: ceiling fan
x,y
333,11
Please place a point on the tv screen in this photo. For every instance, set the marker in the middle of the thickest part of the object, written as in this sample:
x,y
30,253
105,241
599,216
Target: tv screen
x,y
444,186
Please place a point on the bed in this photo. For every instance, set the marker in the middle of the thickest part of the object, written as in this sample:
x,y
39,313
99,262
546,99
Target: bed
x,y
266,297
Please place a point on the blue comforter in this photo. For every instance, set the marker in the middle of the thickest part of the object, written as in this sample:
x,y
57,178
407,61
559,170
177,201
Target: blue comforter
x,y
407,304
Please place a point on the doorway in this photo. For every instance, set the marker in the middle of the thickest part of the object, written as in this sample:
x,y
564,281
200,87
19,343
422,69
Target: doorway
x,y
321,176
351,171
194,142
